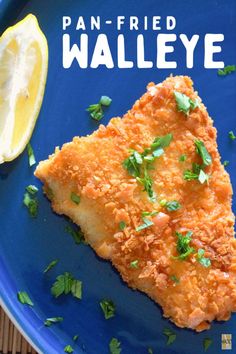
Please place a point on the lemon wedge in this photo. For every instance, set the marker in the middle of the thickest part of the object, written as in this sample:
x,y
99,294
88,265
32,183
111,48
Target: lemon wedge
x,y
23,73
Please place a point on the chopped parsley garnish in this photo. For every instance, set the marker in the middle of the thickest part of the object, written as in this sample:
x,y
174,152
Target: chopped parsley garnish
x,y
171,336
108,308
175,279
31,202
122,225
75,338
202,151
206,343
31,189
68,349
139,165
30,151
75,198
114,346
225,163
185,103
51,265
134,264
231,135
96,110
172,205
49,321
150,351
183,247
76,289
24,298
182,158
77,234
65,284
162,202
146,223
149,213
206,262
197,172
228,69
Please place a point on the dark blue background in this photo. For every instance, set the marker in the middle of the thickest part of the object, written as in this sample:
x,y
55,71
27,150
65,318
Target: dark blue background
x,y
28,245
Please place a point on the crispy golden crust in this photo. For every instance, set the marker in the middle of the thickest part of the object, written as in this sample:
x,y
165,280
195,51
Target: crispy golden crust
x,y
92,167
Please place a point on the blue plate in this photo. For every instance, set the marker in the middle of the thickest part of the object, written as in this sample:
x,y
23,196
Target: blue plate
x,y
28,245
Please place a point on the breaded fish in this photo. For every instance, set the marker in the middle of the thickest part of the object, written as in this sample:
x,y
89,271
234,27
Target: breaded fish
x,y
151,195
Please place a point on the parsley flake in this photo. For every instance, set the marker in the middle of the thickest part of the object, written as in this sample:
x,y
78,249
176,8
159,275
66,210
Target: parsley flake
x,y
49,321
24,298
134,264
175,279
150,351
139,165
228,69
65,284
51,265
31,203
206,343
77,234
182,158
96,110
183,247
225,163
185,103
231,135
146,223
31,157
75,198
206,262
171,336
108,308
202,151
75,338
68,349
31,189
122,225
172,205
114,346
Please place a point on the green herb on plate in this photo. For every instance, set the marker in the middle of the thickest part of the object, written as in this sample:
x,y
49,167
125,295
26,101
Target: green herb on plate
x,y
172,205
182,158
231,135
31,189
114,346
184,103
77,234
139,165
206,262
175,279
146,223
75,338
49,321
75,198
68,349
228,69
24,298
122,225
51,265
31,157
96,110
225,163
183,245
171,336
134,264
65,284
206,343
31,203
108,308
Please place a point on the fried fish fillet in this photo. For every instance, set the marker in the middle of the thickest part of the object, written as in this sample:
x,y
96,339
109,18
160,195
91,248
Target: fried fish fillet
x,y
190,294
